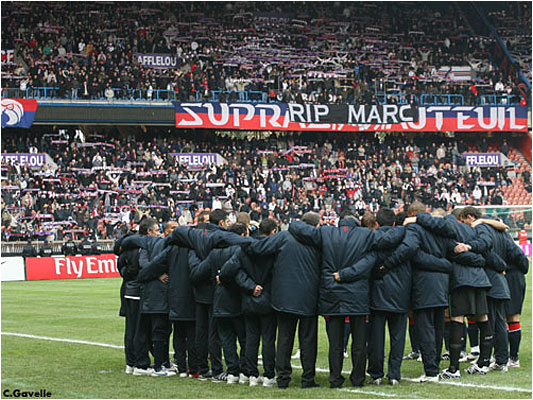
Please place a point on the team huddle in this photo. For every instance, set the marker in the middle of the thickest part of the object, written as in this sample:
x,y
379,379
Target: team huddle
x,y
212,286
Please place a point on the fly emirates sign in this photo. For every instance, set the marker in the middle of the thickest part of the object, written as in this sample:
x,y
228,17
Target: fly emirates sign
x,y
77,267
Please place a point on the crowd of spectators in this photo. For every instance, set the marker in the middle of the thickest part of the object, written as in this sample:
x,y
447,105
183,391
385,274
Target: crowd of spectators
x,y
102,183
513,24
324,52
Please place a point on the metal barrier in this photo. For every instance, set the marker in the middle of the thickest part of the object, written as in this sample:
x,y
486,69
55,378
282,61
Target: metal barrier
x,y
241,96
442,99
499,99
15,248
399,98
41,92
247,96
47,93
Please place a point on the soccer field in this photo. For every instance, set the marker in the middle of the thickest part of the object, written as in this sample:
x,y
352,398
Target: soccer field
x,y
66,337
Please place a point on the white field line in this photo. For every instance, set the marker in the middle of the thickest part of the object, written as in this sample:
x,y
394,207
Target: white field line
x,y
443,382
62,340
383,394
113,346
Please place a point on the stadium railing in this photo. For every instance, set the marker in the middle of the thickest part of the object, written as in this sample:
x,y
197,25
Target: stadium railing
x,y
15,248
495,99
118,94
442,99
243,96
252,96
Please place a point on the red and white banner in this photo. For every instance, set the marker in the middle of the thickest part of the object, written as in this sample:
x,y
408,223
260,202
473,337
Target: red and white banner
x,y
321,117
8,56
76,267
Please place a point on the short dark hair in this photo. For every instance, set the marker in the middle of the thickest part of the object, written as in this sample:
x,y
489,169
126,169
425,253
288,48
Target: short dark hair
x,y
146,225
400,217
239,228
347,214
457,213
368,220
267,226
169,224
471,211
385,217
217,215
203,216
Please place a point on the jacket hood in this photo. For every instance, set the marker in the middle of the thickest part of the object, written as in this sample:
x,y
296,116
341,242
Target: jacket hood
x,y
212,227
350,222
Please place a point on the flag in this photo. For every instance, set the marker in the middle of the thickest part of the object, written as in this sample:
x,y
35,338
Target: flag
x,y
18,113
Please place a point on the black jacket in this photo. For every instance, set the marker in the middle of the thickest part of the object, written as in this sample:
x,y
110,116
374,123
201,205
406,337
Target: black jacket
x,y
96,249
515,257
517,263
174,261
450,227
153,291
494,245
128,266
46,250
342,247
202,241
85,247
248,272
295,272
392,291
226,296
29,251
69,248
430,284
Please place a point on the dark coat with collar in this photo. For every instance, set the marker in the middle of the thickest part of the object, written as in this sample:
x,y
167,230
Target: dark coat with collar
x,y
341,248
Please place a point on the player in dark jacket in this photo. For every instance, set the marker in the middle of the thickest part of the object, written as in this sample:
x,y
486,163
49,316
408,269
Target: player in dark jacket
x,y
130,296
468,290
202,241
430,286
175,263
389,303
254,277
496,247
154,304
341,248
294,296
517,268
226,305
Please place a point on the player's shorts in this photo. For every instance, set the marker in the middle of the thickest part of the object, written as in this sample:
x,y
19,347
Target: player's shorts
x,y
517,287
468,300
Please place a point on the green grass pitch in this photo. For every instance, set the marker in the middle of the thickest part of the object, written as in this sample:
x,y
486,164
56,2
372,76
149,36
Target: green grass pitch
x,y
87,310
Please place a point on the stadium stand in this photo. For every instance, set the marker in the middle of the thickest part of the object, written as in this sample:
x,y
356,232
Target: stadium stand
x,y
513,24
101,188
334,52
338,52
